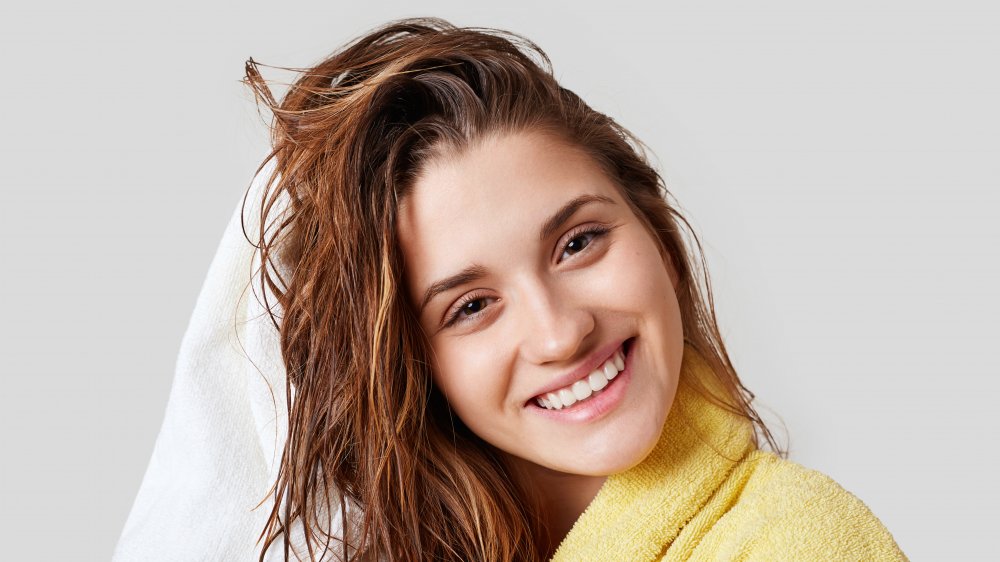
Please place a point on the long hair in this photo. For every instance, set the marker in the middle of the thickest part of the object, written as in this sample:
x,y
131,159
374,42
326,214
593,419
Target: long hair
x,y
368,434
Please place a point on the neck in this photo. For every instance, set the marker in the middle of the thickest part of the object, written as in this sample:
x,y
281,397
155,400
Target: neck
x,y
561,498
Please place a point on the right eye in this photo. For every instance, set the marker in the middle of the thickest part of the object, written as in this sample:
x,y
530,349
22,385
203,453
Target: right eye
x,y
467,308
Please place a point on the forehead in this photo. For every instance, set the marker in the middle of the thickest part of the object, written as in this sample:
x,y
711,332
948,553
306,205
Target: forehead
x,y
486,204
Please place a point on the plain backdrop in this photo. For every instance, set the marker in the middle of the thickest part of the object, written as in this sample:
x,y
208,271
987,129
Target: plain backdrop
x,y
839,160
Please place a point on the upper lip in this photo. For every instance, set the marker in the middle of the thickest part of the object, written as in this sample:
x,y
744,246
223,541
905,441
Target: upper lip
x,y
591,363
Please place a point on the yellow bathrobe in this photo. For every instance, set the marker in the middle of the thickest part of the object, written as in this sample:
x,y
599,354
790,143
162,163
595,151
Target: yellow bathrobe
x,y
686,501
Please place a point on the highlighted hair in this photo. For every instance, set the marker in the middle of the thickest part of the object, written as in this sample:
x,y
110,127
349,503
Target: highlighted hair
x,y
369,437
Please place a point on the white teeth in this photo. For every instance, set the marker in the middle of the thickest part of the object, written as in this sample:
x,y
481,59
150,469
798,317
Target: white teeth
x,y
566,397
585,387
597,381
610,372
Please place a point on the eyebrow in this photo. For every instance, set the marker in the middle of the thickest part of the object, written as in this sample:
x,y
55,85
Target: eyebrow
x,y
568,210
467,275
475,272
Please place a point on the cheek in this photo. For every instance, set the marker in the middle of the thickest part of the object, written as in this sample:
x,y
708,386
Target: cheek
x,y
637,276
468,376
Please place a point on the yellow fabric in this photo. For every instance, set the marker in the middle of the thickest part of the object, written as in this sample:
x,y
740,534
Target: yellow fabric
x,y
686,501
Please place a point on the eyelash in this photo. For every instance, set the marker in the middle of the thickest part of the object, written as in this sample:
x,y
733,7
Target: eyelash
x,y
597,230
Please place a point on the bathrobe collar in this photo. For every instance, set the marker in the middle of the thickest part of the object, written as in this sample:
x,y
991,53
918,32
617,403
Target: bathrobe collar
x,y
637,512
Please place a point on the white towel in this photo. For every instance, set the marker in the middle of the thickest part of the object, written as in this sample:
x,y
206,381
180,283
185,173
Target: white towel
x,y
220,444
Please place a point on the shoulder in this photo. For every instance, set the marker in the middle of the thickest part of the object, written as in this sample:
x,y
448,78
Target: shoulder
x,y
787,511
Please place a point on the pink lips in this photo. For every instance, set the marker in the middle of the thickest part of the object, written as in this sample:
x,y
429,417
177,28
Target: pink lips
x,y
593,362
597,406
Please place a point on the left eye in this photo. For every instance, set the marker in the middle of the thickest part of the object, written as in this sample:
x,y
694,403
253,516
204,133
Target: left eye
x,y
581,241
578,243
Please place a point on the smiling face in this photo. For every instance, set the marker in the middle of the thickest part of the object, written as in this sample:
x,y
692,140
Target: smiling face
x,y
536,284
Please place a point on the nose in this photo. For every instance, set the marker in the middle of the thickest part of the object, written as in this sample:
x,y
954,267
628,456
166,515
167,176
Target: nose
x,y
555,324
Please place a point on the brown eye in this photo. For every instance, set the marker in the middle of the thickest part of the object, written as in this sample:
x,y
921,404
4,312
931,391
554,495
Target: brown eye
x,y
468,309
578,243
581,241
472,307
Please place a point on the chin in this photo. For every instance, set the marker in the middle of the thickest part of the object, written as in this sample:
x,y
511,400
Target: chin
x,y
611,453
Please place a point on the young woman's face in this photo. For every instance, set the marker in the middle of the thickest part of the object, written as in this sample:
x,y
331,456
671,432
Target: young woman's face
x,y
535,285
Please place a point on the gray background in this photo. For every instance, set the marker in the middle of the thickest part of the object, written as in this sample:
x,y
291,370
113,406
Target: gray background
x,y
839,159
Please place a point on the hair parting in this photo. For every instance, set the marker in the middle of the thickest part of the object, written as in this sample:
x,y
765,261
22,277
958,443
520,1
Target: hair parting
x,y
375,467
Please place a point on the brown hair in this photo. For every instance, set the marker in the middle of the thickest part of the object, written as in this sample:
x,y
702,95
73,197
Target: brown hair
x,y
366,427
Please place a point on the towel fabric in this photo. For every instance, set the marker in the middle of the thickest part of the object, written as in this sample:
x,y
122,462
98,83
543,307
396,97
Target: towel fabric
x,y
705,493
220,442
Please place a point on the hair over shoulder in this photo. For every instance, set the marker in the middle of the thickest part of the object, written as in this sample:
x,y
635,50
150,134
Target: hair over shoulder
x,y
368,434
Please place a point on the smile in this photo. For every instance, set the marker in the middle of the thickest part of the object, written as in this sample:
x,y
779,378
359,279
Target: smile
x,y
616,372
587,387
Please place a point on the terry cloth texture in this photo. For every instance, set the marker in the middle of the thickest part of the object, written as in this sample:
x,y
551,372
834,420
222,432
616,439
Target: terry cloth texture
x,y
705,493
221,439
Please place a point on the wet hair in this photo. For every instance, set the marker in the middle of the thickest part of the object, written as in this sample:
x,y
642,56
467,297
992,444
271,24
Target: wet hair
x,y
369,436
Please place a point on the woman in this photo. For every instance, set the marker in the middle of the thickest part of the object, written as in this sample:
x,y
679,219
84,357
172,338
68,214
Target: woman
x,y
499,343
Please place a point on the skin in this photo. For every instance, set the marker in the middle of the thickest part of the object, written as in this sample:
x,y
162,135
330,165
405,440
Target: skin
x,y
541,308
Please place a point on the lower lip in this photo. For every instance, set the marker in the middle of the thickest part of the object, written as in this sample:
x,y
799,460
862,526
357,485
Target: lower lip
x,y
599,406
